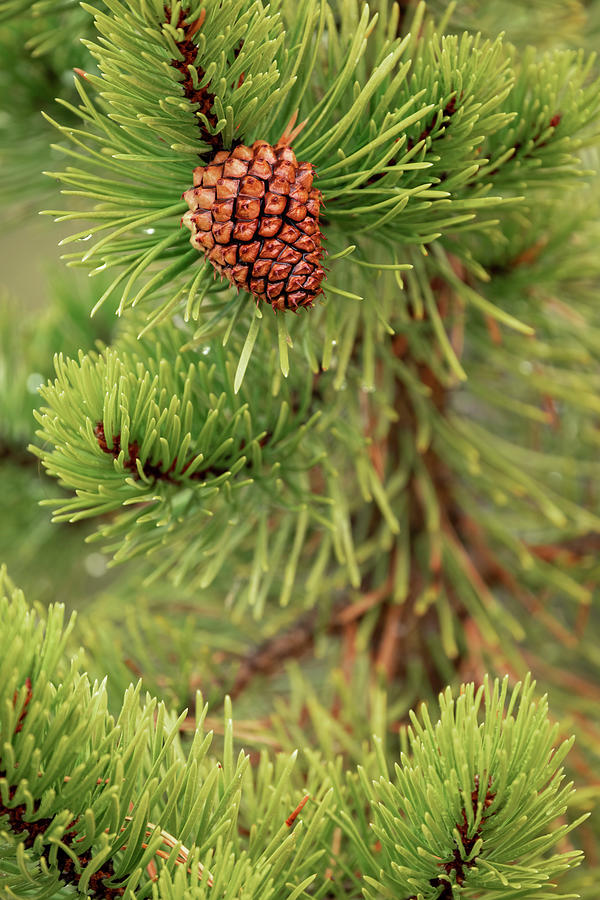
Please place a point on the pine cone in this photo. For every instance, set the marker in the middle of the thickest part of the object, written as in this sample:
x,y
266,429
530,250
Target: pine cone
x,y
255,214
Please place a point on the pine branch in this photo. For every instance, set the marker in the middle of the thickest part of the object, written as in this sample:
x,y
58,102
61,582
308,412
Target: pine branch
x,y
117,775
469,859
78,792
571,550
173,448
399,141
135,159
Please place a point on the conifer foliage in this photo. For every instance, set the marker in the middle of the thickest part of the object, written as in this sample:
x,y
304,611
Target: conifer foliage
x,y
331,431
117,808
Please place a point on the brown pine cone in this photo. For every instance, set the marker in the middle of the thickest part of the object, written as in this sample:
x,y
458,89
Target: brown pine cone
x,y
255,215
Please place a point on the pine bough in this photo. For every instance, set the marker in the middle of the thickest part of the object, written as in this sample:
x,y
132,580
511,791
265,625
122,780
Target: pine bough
x,y
119,806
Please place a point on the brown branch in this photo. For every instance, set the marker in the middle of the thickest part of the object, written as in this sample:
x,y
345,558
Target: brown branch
x,y
298,640
386,655
399,629
200,96
157,472
458,866
356,609
569,551
293,643
20,822
397,623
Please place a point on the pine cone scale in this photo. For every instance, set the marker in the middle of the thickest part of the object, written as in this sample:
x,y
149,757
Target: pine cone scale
x,y
255,214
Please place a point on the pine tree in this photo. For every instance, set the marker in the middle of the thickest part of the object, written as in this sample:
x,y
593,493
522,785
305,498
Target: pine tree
x,y
336,451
